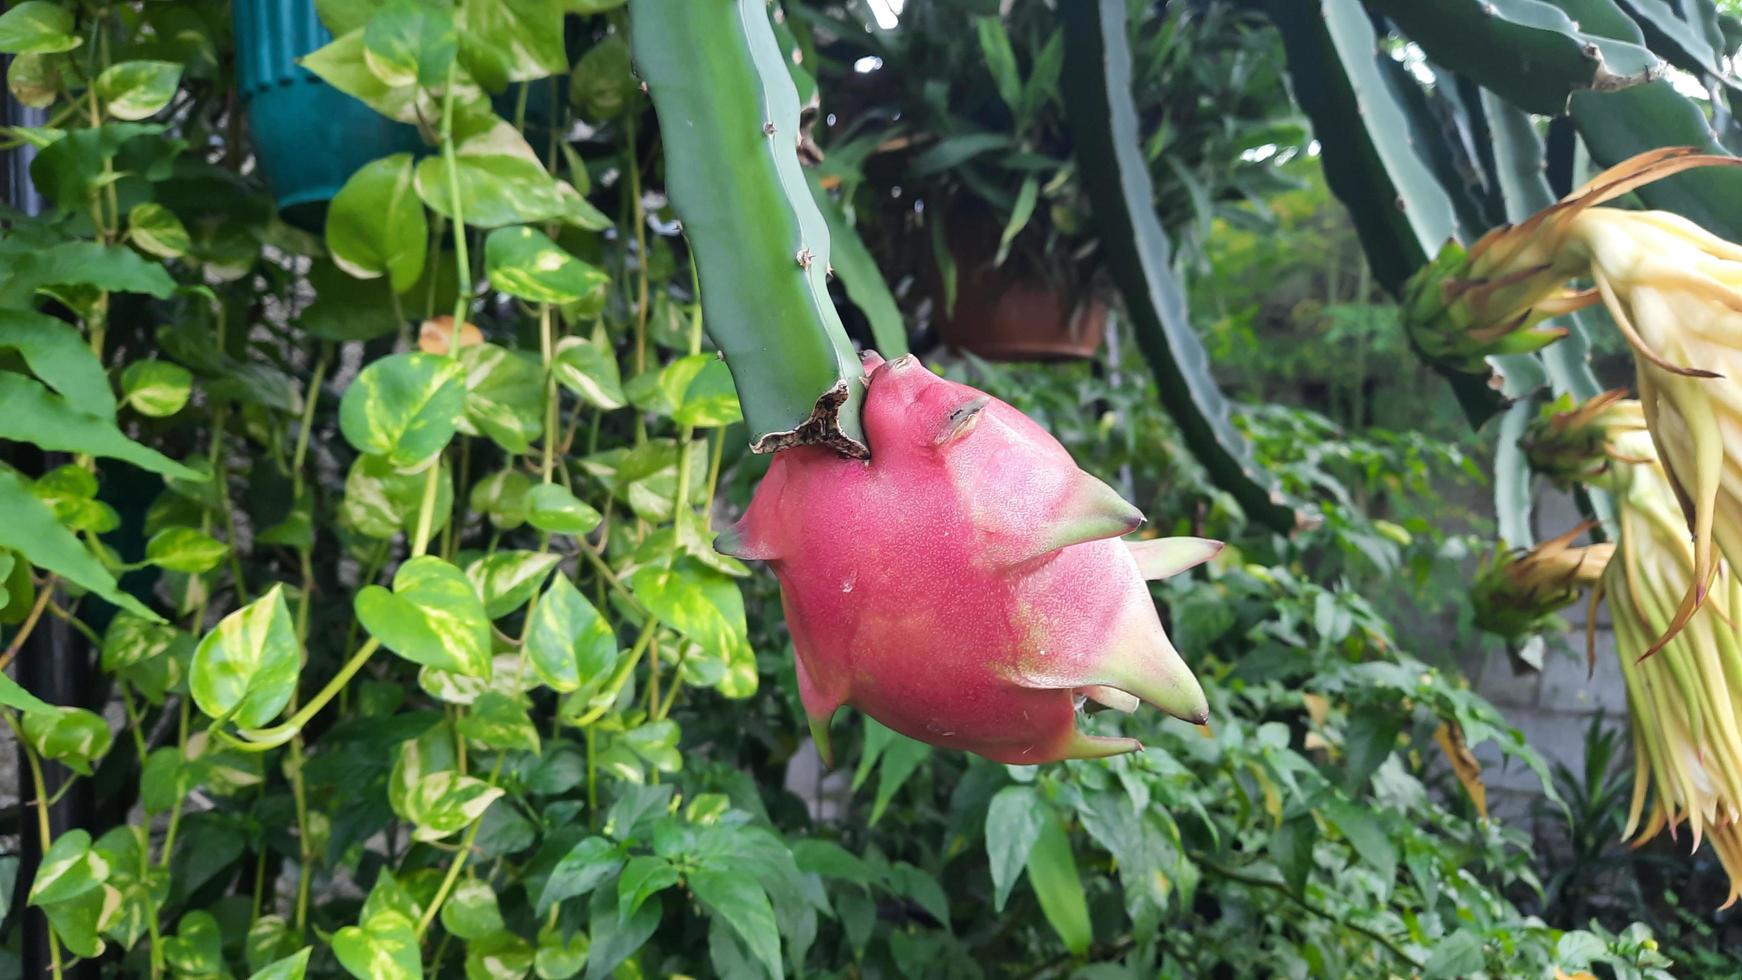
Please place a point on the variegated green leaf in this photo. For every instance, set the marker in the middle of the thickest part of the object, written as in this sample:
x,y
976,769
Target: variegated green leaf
x,y
35,80
568,643
450,687
603,83
183,549
504,41
432,751
143,887
376,225
502,182
699,391
70,868
269,939
380,500
504,396
551,507
155,230
138,89
220,769
499,721
74,737
433,616
558,959
384,947
79,922
589,369
37,27
501,956
524,262
388,894
656,744
156,388
506,579
696,601
444,803
292,967
502,496
510,674
71,491
471,911
246,668
197,948
404,407
409,43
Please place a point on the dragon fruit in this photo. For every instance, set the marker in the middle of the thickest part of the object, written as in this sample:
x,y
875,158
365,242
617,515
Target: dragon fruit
x,y
967,585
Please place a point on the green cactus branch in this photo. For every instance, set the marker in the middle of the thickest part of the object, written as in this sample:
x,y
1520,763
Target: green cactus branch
x,y
1529,52
1526,52
1399,209
1617,125
1109,152
729,120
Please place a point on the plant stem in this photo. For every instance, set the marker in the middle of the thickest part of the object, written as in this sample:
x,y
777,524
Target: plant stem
x,y
547,348
610,578
311,398
272,738
621,676
592,780
426,509
222,478
639,216
459,862
175,808
29,624
298,789
45,834
462,302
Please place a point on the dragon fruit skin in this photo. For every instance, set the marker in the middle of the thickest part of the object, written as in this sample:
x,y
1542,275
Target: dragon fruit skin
x,y
966,586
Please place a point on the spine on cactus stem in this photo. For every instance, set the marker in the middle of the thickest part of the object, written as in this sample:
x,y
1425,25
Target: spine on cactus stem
x,y
729,121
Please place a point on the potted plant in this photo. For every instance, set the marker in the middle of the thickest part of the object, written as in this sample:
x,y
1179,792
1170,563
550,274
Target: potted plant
x,y
957,106
308,137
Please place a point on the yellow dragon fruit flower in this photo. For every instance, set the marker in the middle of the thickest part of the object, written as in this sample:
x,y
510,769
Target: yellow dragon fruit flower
x,y
1683,694
1673,289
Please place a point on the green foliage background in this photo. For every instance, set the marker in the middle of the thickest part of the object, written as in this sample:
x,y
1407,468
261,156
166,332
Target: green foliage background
x,y
426,661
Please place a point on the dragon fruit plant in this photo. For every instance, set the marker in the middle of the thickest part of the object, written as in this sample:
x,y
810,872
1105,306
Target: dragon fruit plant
x,y
967,585
944,564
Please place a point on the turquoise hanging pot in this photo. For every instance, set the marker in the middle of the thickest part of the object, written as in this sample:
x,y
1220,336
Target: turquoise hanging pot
x,y
308,136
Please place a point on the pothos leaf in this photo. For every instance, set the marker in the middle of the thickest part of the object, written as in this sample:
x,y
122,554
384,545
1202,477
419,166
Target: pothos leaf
x,y
383,948
246,668
404,407
376,225
433,616
569,645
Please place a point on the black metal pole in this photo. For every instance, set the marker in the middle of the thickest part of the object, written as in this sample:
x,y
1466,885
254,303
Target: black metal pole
x,y
49,665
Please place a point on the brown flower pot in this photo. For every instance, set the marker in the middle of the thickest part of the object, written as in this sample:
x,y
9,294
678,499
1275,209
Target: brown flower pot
x,y
1005,313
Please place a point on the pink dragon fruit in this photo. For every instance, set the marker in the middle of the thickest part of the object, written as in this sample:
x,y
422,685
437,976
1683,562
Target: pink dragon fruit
x,y
966,586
